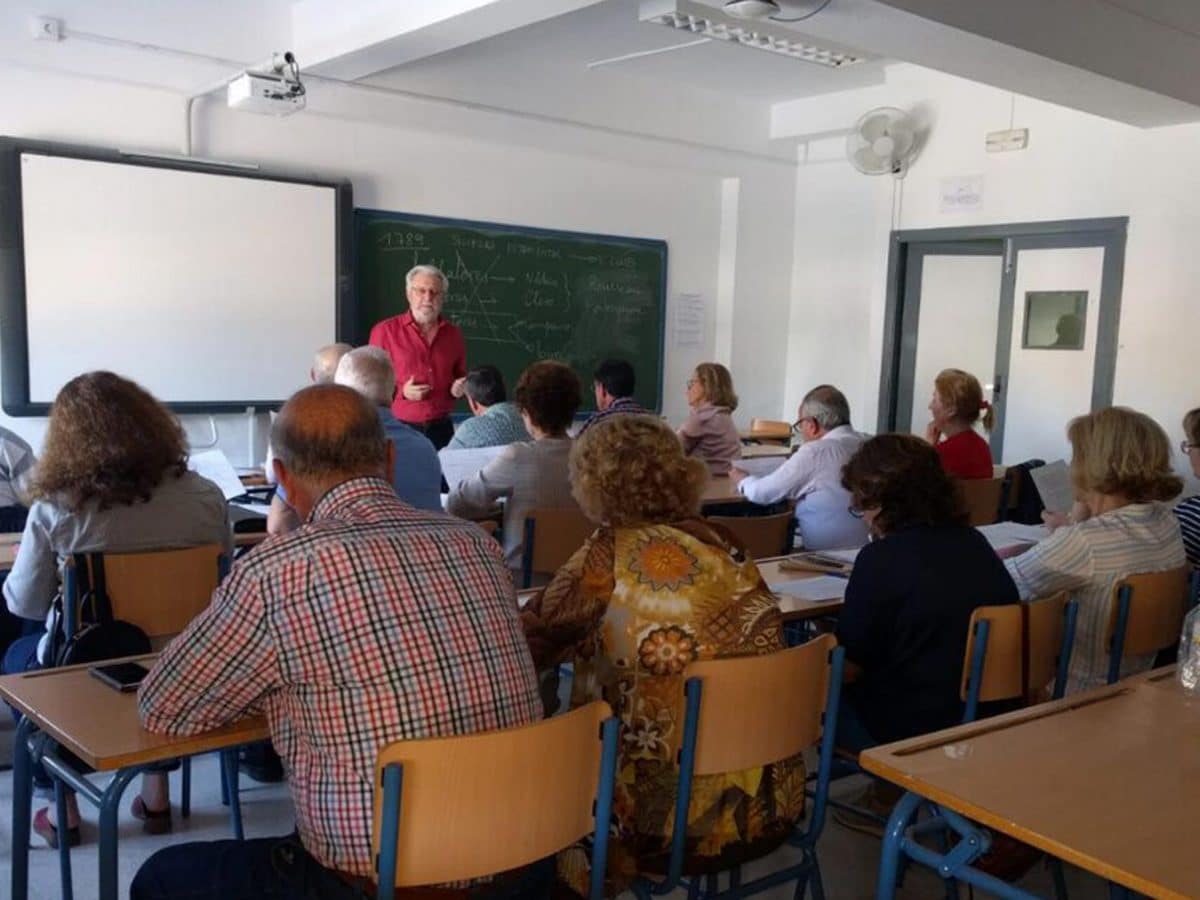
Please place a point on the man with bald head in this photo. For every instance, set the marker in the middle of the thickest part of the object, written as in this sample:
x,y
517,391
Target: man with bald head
x,y
325,362
347,635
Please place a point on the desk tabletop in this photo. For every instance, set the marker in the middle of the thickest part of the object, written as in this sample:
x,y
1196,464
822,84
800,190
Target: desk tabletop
x,y
1103,779
721,489
793,608
100,725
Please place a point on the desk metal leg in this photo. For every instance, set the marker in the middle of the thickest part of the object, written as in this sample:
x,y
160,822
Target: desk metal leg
x,y
893,835
22,809
64,840
229,777
110,806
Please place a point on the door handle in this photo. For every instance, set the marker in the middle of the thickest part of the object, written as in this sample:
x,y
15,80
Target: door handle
x,y
997,386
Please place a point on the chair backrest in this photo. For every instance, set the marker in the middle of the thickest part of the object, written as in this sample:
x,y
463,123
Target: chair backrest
x,y
982,499
489,525
161,591
756,710
770,430
478,804
1150,616
551,537
761,535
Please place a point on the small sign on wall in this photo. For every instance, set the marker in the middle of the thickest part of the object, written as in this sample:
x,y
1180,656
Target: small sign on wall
x,y
962,193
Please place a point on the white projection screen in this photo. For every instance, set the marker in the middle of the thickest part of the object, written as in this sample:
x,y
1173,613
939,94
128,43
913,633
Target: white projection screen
x,y
212,290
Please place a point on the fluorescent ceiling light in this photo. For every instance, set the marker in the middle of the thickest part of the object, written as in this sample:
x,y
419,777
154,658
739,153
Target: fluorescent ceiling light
x,y
706,21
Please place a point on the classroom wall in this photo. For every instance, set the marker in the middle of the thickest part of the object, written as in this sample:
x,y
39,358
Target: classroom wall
x,y
437,159
1076,166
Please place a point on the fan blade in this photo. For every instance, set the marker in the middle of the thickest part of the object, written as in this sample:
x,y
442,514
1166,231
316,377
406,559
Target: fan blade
x,y
867,162
874,126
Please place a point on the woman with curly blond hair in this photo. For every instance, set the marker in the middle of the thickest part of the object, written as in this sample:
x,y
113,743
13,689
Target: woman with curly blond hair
x,y
654,588
1122,476
112,477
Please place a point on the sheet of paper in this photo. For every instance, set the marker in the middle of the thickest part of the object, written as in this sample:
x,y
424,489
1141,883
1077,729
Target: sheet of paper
x,y
216,467
821,588
459,465
1053,482
760,465
689,321
1006,534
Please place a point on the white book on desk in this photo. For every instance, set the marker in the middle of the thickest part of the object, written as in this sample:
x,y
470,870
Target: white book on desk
x,y
459,465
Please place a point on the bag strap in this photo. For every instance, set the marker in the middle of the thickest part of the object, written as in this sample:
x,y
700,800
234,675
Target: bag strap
x,y
101,605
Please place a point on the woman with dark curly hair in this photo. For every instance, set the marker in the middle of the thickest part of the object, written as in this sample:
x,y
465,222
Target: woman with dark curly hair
x,y
911,595
112,477
527,474
654,588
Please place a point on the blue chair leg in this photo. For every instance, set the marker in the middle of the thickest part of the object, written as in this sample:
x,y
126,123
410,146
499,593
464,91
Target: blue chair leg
x,y
224,783
818,886
229,773
64,843
185,799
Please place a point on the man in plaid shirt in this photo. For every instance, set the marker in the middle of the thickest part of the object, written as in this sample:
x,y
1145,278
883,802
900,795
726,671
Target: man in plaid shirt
x,y
373,622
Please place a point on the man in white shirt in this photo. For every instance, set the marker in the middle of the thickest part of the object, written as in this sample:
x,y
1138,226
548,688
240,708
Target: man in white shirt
x,y
812,476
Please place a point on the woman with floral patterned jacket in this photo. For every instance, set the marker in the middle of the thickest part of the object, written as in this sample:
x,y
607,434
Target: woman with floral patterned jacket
x,y
654,588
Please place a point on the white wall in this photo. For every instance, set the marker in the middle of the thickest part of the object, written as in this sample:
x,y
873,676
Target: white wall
x,y
456,162
1076,166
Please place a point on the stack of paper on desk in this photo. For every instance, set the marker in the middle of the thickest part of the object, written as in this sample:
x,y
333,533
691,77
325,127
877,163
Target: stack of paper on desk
x,y
459,465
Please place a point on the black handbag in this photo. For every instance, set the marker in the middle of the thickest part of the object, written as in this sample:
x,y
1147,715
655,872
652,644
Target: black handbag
x,y
99,636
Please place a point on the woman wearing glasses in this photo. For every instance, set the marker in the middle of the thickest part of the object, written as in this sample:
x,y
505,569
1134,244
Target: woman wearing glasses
x,y
709,433
1188,512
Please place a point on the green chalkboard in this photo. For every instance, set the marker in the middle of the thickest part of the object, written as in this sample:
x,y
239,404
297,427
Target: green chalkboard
x,y
524,294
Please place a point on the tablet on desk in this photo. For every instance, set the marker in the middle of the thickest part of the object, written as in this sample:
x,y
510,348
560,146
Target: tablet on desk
x,y
122,677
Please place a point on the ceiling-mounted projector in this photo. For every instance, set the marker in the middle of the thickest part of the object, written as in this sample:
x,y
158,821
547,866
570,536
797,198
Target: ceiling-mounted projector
x,y
275,93
751,9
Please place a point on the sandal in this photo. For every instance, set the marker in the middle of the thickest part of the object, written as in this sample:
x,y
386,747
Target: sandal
x,y
48,833
154,821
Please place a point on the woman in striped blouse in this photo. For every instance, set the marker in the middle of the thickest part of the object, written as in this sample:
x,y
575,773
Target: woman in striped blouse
x,y
1121,471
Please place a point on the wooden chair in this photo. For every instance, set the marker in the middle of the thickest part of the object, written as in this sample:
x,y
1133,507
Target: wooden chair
x,y
491,526
1014,651
551,536
479,804
762,535
769,431
982,499
1145,615
748,711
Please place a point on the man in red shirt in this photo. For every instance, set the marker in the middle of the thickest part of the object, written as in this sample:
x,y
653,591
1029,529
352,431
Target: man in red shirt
x,y
428,354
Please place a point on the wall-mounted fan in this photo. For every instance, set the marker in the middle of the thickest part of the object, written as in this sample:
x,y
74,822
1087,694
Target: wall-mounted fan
x,y
883,142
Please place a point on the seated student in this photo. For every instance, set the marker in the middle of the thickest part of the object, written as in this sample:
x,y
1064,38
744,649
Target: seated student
x,y
956,406
494,420
1121,472
613,384
911,594
16,471
812,476
1188,511
428,645
417,476
531,474
654,588
708,432
113,477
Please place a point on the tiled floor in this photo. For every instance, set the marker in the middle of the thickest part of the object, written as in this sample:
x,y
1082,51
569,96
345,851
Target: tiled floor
x,y
849,860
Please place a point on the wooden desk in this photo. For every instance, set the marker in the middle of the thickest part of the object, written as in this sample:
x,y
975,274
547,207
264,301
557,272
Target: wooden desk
x,y
758,451
1103,780
794,610
101,727
721,489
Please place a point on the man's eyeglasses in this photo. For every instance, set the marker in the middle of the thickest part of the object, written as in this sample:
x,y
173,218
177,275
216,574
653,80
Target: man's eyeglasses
x,y
1187,447
855,511
796,425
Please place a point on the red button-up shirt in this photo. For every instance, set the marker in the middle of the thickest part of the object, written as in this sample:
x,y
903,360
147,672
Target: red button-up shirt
x,y
437,364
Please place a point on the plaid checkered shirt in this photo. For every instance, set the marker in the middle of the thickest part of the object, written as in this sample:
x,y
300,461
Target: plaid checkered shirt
x,y
373,622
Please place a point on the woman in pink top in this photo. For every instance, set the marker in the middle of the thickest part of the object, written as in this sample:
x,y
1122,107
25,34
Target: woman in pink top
x,y
709,433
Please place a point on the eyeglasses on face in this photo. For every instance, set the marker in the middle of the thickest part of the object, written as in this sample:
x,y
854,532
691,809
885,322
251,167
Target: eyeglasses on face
x,y
800,421
1188,447
855,511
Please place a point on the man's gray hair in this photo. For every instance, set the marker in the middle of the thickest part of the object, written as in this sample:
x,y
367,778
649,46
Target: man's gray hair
x,y
369,371
427,270
826,406
328,430
325,362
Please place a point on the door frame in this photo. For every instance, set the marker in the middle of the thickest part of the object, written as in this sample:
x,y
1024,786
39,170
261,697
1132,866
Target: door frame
x,y
1108,233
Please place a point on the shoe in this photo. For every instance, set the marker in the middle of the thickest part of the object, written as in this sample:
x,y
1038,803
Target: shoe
x,y
871,809
48,833
153,821
858,821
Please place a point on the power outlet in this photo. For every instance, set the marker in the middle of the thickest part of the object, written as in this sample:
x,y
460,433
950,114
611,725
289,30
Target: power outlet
x,y
46,28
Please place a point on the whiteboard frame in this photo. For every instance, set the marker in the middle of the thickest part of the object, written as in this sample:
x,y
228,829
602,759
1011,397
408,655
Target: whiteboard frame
x,y
14,334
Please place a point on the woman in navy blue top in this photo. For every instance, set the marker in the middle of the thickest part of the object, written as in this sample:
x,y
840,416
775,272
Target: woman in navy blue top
x,y
911,595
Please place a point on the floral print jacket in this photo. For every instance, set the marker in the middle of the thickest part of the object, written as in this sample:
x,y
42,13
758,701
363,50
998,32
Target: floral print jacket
x,y
631,609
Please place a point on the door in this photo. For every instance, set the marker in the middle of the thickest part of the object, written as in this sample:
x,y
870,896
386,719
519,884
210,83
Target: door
x,y
950,320
1058,351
